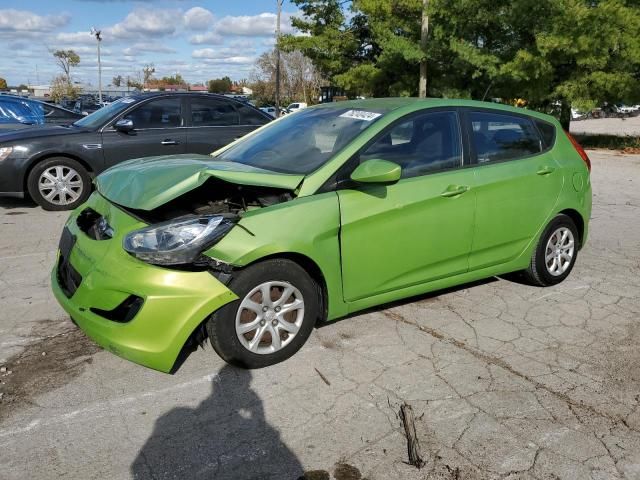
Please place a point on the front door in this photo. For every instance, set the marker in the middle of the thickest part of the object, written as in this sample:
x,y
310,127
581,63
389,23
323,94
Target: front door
x,y
418,229
157,130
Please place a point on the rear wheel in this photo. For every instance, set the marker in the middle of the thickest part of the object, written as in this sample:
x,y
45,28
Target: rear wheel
x,y
556,253
59,183
277,308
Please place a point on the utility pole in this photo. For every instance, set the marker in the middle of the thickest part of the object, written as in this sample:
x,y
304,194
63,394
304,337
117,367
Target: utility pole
x,y
424,33
97,34
279,2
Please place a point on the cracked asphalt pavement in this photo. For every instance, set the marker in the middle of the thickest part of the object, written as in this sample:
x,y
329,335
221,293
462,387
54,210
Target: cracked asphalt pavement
x,y
505,380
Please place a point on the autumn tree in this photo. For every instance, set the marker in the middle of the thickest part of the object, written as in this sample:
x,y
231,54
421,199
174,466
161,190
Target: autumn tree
x,y
3,84
61,88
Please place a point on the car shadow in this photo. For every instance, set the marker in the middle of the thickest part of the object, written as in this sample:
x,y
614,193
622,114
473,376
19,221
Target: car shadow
x,y
225,437
425,297
9,203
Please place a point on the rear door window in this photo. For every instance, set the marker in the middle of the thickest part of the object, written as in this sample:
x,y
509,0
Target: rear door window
x,y
548,133
499,137
209,112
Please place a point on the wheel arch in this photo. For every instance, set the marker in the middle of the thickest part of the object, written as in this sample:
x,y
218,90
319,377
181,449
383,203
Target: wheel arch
x,y
40,158
578,220
312,268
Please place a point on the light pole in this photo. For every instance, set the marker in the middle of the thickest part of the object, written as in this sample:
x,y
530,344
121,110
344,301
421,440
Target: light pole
x,y
279,2
97,34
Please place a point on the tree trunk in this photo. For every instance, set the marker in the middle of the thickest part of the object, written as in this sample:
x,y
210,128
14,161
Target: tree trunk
x,y
424,33
565,115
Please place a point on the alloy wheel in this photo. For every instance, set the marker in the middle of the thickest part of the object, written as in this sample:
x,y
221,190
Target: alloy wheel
x,y
269,317
559,251
60,185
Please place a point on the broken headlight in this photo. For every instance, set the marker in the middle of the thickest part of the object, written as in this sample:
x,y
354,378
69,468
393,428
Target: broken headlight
x,y
177,241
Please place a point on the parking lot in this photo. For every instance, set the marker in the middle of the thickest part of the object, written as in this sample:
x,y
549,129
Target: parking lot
x,y
506,380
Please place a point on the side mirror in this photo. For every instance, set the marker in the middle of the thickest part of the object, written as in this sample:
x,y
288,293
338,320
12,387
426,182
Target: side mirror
x,y
377,171
124,125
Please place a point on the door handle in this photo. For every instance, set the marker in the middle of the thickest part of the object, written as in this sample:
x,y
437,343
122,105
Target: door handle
x,y
168,141
545,170
453,190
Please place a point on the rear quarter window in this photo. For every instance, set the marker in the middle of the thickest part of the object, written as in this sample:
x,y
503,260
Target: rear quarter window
x,y
250,116
548,133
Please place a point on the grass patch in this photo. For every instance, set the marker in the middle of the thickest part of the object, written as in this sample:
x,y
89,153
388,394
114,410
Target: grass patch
x,y
628,143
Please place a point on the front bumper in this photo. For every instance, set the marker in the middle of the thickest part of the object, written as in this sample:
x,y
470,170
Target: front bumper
x,y
174,302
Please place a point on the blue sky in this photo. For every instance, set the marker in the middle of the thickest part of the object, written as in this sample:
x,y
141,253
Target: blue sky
x,y
199,40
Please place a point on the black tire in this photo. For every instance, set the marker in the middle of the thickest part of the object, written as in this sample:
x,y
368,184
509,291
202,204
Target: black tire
x,y
56,203
221,327
538,273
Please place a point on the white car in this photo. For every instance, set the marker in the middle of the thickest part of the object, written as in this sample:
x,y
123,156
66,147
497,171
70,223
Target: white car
x,y
296,106
272,111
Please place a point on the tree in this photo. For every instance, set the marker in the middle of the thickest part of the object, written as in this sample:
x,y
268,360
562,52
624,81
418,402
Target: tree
x,y
147,73
3,84
174,80
220,85
117,81
548,52
61,88
65,60
299,80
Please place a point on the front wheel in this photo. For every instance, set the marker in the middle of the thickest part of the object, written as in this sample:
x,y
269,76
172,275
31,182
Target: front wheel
x,y
277,308
556,252
59,183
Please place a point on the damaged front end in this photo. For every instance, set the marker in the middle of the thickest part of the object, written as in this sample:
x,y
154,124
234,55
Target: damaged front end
x,y
131,271
192,209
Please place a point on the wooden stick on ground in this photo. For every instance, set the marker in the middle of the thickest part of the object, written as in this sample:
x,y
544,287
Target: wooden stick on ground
x,y
413,445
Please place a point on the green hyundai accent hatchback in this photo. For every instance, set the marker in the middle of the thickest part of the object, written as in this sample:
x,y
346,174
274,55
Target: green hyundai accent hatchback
x,y
322,213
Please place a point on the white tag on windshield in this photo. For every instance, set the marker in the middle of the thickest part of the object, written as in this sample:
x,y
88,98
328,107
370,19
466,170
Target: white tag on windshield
x,y
361,115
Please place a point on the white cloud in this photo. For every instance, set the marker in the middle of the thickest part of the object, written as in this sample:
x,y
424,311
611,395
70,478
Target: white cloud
x,y
209,38
221,55
145,22
262,24
139,48
23,21
81,38
198,18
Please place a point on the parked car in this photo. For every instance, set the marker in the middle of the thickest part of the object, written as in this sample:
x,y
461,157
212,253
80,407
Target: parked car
x,y
271,111
335,209
293,107
54,165
21,112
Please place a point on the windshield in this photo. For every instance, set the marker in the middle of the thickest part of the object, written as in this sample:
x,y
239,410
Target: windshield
x,y
303,142
103,115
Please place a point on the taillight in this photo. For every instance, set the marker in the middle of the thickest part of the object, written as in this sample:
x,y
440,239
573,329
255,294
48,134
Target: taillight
x,y
580,150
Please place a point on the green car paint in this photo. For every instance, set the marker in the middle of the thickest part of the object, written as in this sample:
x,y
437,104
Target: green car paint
x,y
175,302
372,244
150,182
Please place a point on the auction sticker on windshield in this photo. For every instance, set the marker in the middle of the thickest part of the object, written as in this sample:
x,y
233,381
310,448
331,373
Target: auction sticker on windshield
x,y
361,115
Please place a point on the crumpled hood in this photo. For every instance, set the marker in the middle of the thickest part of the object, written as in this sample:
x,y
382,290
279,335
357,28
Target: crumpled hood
x,y
147,183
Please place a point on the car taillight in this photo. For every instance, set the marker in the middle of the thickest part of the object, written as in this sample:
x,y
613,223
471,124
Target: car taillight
x,y
580,150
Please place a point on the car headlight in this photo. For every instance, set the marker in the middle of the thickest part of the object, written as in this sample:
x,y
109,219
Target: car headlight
x,y
5,152
178,241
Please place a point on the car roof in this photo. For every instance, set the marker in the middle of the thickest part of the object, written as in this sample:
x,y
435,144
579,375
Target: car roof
x,y
412,103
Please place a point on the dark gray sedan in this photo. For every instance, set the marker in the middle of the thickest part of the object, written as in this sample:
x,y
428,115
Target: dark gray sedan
x,y
55,165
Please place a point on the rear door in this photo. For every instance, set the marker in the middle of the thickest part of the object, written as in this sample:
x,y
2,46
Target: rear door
x,y
158,129
517,184
216,122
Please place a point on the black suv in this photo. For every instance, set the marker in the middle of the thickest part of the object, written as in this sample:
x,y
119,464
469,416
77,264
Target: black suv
x,y
54,165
